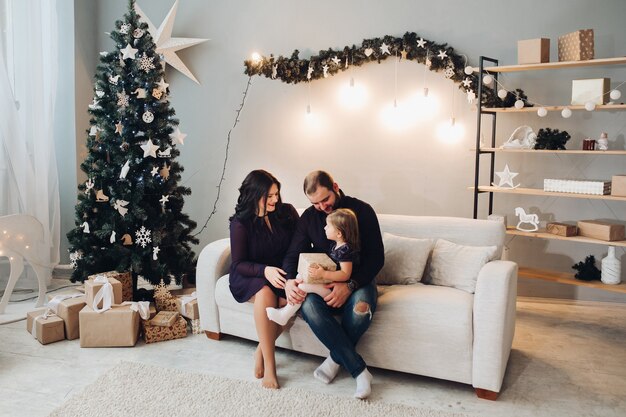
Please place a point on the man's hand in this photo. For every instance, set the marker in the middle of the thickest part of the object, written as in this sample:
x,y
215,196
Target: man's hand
x,y
294,294
275,276
338,295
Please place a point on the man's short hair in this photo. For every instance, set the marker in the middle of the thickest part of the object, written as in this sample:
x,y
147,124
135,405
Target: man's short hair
x,y
316,179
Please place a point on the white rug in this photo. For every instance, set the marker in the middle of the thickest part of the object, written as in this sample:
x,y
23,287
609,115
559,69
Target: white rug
x,y
133,389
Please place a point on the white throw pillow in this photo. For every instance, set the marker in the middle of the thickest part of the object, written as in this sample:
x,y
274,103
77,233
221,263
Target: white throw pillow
x,y
457,266
405,259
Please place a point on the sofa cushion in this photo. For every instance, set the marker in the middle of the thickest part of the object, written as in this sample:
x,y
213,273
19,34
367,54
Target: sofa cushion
x,y
454,265
405,259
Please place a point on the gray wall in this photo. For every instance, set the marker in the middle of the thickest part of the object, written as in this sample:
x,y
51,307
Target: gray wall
x,y
412,171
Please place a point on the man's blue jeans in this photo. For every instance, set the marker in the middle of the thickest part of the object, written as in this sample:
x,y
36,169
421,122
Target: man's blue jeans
x,y
341,337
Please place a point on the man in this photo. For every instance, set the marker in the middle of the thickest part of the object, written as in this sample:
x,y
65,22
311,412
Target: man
x,y
354,300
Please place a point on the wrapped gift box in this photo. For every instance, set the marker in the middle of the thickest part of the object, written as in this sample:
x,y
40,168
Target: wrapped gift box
x,y
186,306
601,230
116,327
595,90
618,185
165,318
307,259
68,310
595,187
152,333
92,288
576,46
125,278
46,329
562,229
166,303
533,51
195,326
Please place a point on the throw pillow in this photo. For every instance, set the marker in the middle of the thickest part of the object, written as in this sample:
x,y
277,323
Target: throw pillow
x,y
457,266
405,259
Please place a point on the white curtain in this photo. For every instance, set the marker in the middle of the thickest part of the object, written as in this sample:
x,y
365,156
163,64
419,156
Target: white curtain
x,y
28,88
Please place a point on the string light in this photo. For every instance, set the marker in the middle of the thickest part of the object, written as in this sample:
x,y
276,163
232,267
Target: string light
x,y
256,57
566,113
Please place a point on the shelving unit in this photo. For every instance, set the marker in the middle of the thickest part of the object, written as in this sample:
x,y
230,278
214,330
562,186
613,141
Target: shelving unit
x,y
492,150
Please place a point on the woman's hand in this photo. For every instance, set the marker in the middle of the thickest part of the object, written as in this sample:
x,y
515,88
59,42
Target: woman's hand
x,y
294,294
316,271
275,276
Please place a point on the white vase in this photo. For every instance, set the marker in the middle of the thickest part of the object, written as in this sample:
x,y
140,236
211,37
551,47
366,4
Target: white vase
x,y
611,268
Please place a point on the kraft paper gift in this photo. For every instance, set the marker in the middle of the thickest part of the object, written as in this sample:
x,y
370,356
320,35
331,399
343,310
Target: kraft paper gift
x,y
115,327
67,307
153,333
321,259
125,278
93,286
165,318
45,326
576,46
187,302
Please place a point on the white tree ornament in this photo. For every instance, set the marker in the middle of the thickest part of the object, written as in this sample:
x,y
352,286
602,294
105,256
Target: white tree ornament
x,y
149,149
442,54
164,199
88,185
506,178
85,227
142,237
120,206
167,153
524,218
129,52
384,49
146,63
178,136
125,169
421,43
155,253
112,238
165,44
147,117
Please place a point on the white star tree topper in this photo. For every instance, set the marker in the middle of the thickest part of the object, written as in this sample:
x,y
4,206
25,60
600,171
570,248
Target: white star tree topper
x,y
165,44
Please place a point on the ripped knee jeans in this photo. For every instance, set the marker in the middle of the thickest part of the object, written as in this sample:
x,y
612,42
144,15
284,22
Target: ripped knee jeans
x,y
341,337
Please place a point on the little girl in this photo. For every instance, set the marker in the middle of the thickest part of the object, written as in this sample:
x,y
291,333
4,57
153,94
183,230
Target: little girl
x,y
343,228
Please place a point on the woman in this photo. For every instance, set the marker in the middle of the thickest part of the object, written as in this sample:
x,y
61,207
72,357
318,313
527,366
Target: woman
x,y
260,233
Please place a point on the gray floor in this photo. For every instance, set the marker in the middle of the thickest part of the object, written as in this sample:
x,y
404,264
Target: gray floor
x,y
567,360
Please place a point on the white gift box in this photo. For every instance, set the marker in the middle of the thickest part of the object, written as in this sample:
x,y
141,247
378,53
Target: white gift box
x,y
595,90
595,187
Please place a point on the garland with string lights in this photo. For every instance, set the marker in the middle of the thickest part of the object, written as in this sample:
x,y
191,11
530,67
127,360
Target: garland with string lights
x,y
129,212
437,57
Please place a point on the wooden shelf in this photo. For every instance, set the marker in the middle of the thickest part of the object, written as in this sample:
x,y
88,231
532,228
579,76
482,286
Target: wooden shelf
x,y
551,108
536,191
542,234
548,151
558,65
567,278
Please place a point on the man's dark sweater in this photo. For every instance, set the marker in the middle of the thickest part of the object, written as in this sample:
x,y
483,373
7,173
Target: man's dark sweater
x,y
310,231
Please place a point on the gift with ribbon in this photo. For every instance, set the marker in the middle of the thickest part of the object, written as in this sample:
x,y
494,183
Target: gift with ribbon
x,y
45,326
153,333
67,306
165,318
102,292
187,302
125,278
117,326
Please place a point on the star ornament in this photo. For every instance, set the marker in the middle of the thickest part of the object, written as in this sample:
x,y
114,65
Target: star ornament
x,y
421,43
506,178
467,82
128,52
162,85
178,136
149,148
164,199
442,54
165,44
384,49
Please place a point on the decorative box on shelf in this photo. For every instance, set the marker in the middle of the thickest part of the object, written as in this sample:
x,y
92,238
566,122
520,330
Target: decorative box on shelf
x,y
595,187
618,185
533,51
562,229
595,90
601,230
576,46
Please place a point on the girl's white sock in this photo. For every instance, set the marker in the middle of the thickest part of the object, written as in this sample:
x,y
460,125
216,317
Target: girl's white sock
x,y
283,314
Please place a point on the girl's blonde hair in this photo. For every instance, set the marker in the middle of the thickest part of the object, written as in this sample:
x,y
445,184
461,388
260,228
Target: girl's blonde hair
x,y
344,220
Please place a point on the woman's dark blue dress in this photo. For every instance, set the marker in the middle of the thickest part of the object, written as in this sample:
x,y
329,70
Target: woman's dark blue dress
x,y
254,246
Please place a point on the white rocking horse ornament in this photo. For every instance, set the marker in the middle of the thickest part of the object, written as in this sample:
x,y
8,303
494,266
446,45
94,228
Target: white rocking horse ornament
x,y
530,218
22,238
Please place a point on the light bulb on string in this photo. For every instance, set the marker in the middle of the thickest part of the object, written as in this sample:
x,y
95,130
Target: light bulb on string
x,y
502,93
566,113
542,112
425,89
615,94
256,57
590,106
487,79
469,70
519,104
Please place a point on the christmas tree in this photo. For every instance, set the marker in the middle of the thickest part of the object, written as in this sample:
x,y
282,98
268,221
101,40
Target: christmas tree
x,y
129,211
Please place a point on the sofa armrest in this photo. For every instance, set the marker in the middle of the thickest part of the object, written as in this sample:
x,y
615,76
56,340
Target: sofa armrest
x,y
213,263
494,323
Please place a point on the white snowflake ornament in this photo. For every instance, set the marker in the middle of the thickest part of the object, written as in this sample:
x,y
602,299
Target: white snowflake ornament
x,y
146,63
75,257
122,99
142,237
124,28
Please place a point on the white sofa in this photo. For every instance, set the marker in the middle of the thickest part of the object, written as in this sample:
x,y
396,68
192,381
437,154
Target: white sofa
x,y
430,330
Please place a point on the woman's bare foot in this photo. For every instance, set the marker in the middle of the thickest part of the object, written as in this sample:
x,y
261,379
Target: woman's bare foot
x,y
259,367
270,381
